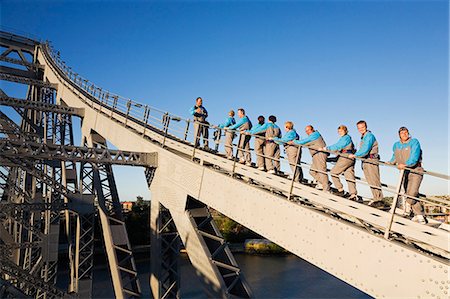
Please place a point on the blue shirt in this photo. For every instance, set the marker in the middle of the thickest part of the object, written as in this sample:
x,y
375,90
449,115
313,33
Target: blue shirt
x,y
228,122
414,153
255,129
289,136
311,137
342,143
261,128
240,123
194,113
367,142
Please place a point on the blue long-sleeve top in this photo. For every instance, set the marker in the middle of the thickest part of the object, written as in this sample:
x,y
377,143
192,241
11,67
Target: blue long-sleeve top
x,y
289,136
367,142
311,137
256,129
414,152
343,142
240,123
228,122
194,113
261,128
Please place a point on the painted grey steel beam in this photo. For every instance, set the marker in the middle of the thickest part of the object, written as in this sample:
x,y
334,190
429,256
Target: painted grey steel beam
x,y
165,251
40,106
21,62
6,70
27,81
12,130
8,290
120,257
217,250
8,39
33,150
30,169
9,207
23,277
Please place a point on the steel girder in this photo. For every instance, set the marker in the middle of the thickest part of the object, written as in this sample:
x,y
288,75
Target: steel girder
x,y
12,130
31,282
27,74
28,227
29,65
120,257
51,152
219,252
8,290
15,42
39,106
27,81
165,250
33,233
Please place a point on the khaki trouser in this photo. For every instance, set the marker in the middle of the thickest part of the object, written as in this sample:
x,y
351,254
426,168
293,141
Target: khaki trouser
x,y
346,166
244,144
229,136
272,150
372,174
319,162
291,152
259,150
201,130
411,184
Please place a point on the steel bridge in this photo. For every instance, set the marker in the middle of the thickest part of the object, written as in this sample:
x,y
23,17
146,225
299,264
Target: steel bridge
x,y
47,182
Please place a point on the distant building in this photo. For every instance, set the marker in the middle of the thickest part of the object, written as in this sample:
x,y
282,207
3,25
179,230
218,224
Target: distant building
x,y
127,205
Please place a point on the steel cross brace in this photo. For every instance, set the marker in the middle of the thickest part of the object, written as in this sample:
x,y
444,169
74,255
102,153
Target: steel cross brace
x,y
33,150
27,81
23,277
41,106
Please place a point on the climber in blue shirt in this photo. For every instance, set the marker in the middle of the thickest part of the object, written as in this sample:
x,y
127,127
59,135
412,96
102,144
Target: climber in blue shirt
x,y
229,135
318,169
368,149
229,121
291,150
243,124
344,164
407,153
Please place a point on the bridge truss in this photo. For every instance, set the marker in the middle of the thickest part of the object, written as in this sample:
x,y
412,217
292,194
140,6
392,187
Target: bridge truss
x,y
41,189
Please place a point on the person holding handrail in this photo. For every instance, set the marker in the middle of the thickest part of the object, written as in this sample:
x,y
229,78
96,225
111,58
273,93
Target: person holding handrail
x,y
291,150
260,138
271,148
243,124
200,124
344,164
229,135
368,149
407,155
318,169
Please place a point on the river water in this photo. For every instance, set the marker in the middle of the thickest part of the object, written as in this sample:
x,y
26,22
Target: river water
x,y
268,276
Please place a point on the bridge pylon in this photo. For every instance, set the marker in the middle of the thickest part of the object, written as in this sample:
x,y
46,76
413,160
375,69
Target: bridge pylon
x,y
176,216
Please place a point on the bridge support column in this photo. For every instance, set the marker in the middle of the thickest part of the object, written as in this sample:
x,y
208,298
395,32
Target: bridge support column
x,y
165,251
207,250
118,249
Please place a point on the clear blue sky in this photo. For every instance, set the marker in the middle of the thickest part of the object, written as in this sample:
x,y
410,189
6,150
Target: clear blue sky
x,y
323,63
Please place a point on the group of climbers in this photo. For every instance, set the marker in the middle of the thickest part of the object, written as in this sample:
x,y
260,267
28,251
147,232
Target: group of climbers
x,y
407,154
